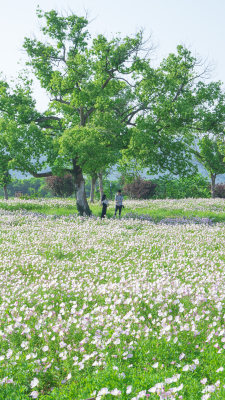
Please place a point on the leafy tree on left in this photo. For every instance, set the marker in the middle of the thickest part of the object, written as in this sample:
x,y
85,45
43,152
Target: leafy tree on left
x,y
21,140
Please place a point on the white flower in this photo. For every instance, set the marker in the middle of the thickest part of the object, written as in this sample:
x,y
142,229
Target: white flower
x,y
177,389
155,365
68,376
34,383
45,348
129,355
115,392
181,356
196,361
34,394
141,394
203,381
9,353
152,389
220,369
24,344
103,391
129,389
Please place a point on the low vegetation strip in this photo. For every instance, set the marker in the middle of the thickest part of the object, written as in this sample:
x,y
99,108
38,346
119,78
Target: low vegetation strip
x,y
155,210
124,309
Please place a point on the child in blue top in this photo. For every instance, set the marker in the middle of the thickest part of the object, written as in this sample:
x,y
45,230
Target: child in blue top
x,y
119,203
105,204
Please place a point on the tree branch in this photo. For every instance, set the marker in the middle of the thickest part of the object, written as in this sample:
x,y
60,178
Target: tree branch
x,y
129,116
60,100
41,174
49,117
88,113
178,92
106,82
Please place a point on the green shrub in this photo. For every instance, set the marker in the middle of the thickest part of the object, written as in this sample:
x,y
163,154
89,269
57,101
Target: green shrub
x,y
195,186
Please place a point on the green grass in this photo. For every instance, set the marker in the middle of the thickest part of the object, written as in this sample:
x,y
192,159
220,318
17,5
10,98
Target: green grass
x,y
161,213
157,213
39,208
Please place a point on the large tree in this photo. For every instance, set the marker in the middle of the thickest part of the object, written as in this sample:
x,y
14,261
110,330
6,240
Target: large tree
x,y
91,101
104,98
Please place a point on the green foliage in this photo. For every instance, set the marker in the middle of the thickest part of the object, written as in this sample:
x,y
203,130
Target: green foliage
x,y
95,147
89,98
210,113
110,188
184,187
27,187
210,155
129,170
21,141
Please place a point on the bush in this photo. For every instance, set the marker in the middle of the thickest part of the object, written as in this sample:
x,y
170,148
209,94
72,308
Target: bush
x,y
140,189
220,190
178,188
61,186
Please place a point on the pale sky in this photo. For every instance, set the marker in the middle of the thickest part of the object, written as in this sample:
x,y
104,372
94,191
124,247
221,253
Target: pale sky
x,y
199,24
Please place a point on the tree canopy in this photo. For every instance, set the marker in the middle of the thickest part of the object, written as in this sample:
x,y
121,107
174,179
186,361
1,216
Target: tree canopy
x,y
106,101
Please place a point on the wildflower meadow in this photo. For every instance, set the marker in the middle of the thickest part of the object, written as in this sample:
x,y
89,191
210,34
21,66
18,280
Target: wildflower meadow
x,y
130,308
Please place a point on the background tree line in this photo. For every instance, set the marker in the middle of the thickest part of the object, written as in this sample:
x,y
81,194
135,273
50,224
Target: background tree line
x,y
163,187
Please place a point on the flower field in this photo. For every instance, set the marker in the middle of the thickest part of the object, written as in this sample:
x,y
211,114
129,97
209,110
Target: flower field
x,y
112,309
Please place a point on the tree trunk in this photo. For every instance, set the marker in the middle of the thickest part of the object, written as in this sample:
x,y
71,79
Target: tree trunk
x,y
100,184
93,182
82,204
213,183
5,192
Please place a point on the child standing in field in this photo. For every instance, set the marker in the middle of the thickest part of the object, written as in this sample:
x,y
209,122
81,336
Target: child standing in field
x,y
119,202
105,204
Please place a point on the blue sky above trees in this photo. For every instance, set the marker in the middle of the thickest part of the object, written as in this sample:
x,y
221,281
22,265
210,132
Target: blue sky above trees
x,y
197,24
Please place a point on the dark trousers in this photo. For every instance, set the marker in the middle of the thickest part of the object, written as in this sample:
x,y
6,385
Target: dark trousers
x,y
104,209
118,208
